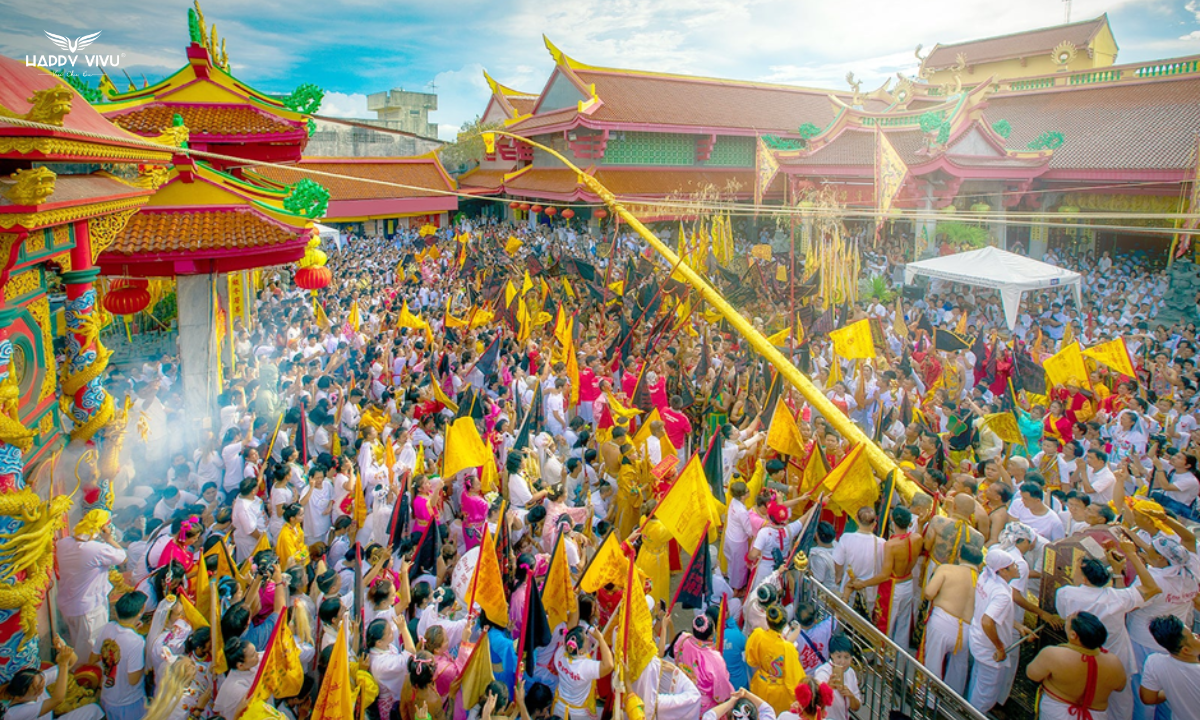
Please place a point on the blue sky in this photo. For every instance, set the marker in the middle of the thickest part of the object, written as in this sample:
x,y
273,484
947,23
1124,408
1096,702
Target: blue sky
x,y
354,47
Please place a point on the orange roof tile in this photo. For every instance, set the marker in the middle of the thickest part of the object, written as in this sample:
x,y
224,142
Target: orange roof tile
x,y
655,183
422,172
488,179
1016,45
523,105
205,120
198,231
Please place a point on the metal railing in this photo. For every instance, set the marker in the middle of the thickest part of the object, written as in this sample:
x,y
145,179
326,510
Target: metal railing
x,y
889,678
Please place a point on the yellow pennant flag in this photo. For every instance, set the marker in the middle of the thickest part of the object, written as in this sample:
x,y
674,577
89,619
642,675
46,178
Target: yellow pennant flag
x,y
835,371
527,283
191,614
572,362
440,395
464,238
560,324
1067,367
545,287
477,674
478,317
783,435
609,566
419,463
634,636
898,325
415,322
854,341
487,584
1114,354
360,501
336,699
1068,334
689,506
961,328
513,245
814,471
281,675
851,484
643,431
490,479
433,253
219,665
621,414
354,322
1005,426
558,594
509,293
464,448
322,319
203,584
780,338
618,288
570,291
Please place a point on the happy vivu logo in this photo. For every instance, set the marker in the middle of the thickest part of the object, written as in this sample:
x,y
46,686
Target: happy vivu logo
x,y
74,47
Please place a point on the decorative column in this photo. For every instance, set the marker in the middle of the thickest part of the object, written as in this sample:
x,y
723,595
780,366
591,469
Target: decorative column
x,y
27,526
198,351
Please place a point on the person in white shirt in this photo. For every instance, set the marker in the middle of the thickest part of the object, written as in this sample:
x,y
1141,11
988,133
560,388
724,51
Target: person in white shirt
x,y
820,558
1173,678
578,673
991,630
84,562
738,534
841,678
243,659
121,652
1032,511
249,519
860,554
1094,477
1112,606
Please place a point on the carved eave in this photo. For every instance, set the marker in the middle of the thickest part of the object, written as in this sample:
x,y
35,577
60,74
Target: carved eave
x,y
566,66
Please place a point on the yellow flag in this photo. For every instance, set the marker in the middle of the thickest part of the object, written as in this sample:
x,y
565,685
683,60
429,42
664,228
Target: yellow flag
x,y
814,472
1067,367
513,245
835,371
961,328
898,325
783,436
490,479
464,448
1068,334
336,699
643,431
203,584
570,291
464,238
1114,354
354,321
323,319
477,674
618,287
558,594
427,230
560,324
621,414
509,293
419,463
854,341
219,666
264,543
572,362
851,484
281,674
191,614
1005,426
780,273
440,395
360,502
689,506
634,636
609,566
527,283
780,338
415,322
487,584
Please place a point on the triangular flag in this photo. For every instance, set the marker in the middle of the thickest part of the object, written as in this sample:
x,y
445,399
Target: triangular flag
x,y
783,435
618,288
634,636
536,632
322,318
814,471
780,338
489,480
689,506
851,484
559,592
439,394
854,341
643,431
570,291
191,614
487,584
1067,367
1004,424
527,283
961,327
477,674
336,698
572,362
509,293
835,372
464,448
280,673
898,325
219,666
695,586
353,321
513,245
1114,354
608,566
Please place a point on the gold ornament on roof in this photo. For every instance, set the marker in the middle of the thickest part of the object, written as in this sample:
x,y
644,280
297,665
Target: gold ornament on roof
x,y
208,38
922,71
855,87
1064,53
32,186
48,106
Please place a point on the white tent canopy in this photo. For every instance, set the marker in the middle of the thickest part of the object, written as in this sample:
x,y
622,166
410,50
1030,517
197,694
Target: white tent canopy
x,y
991,267
326,232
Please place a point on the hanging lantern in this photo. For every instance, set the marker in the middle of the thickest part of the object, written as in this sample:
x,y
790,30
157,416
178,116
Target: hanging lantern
x,y
524,207
514,204
568,214
313,278
127,300
551,211
600,214
981,207
138,283
536,209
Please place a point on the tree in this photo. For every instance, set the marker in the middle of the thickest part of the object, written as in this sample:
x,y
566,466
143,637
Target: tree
x,y
467,151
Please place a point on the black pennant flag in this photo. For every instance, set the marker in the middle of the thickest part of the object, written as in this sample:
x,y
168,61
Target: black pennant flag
x,y
696,586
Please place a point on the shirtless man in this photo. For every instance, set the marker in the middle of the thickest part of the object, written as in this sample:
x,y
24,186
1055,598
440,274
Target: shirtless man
x,y
995,500
610,453
967,485
1077,677
951,591
894,609
946,536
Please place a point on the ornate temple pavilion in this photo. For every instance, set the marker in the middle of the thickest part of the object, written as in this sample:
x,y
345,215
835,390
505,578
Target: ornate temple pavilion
x,y
1043,120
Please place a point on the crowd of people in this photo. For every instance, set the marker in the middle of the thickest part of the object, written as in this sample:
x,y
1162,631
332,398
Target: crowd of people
x,y
338,499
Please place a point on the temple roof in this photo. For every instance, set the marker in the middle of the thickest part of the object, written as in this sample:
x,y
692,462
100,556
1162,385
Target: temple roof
x,y
558,184
191,230
424,171
19,84
225,121
1016,45
482,182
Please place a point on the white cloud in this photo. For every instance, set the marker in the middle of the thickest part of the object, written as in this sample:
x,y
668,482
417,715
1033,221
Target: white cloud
x,y
343,105
462,94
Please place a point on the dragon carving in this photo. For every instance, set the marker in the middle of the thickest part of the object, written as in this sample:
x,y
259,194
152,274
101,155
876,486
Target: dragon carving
x,y
47,106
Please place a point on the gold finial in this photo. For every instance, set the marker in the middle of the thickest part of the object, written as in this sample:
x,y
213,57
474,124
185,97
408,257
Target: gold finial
x,y
48,106
31,187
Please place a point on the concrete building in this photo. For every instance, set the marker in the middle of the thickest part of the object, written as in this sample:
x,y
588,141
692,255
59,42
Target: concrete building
x,y
339,137
400,109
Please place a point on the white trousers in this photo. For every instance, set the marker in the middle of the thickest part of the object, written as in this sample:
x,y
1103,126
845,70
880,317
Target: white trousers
x,y
946,647
84,629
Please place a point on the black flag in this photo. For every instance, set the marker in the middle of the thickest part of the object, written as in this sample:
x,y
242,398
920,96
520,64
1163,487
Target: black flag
x,y
947,341
714,466
537,632
696,586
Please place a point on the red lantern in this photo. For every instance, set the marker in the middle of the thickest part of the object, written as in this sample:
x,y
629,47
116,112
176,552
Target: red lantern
x,y
536,209
514,204
551,211
600,214
524,207
126,300
140,283
568,214
313,278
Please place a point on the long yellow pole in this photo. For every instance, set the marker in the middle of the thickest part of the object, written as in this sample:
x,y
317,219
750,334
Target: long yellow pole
x,y
882,464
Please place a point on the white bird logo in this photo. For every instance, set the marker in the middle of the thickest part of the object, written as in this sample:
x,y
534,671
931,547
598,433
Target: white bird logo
x,y
73,46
